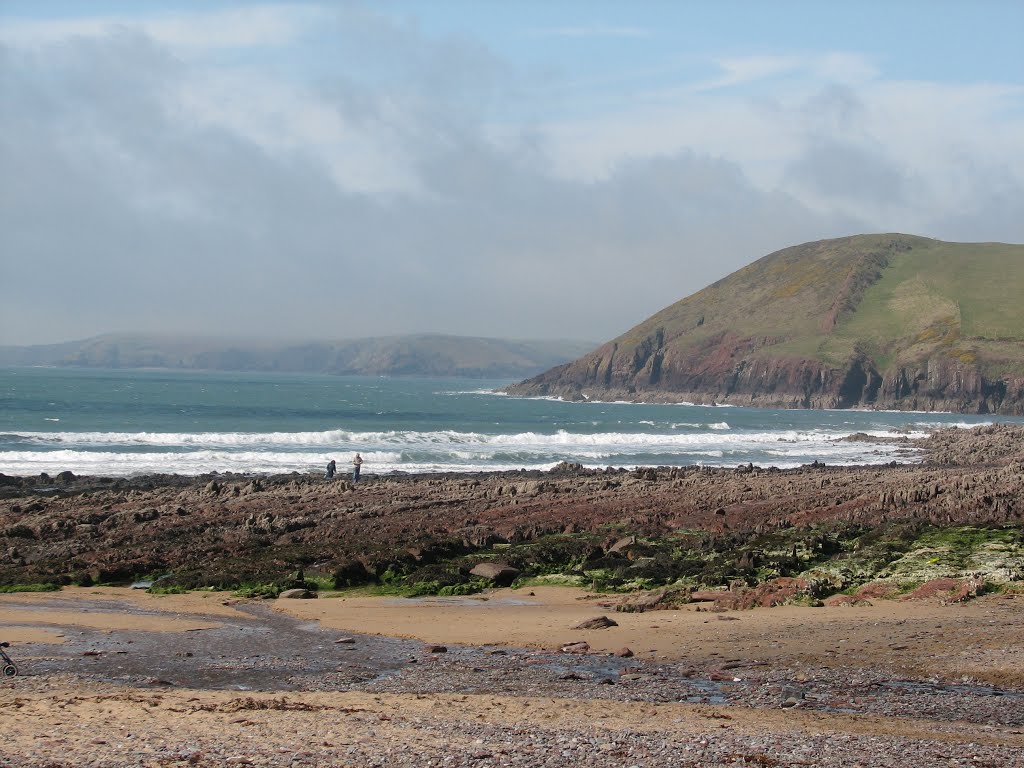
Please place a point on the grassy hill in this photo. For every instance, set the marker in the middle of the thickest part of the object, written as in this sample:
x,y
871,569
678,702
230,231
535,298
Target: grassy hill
x,y
871,320
414,355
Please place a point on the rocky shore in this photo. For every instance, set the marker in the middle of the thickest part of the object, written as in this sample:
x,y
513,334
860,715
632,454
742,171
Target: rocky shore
x,y
820,616
956,513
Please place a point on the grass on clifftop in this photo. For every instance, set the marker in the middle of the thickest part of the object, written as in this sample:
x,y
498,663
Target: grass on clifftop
x,y
946,296
959,300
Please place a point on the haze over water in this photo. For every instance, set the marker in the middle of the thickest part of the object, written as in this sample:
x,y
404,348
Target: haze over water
x,y
121,423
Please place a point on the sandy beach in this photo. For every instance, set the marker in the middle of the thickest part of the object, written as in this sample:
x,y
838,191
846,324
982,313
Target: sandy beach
x,y
483,680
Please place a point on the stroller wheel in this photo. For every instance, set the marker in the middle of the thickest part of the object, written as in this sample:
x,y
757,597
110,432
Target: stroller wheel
x,y
10,670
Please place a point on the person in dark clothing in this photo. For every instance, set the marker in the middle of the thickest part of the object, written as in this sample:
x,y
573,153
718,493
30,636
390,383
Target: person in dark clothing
x,y
331,469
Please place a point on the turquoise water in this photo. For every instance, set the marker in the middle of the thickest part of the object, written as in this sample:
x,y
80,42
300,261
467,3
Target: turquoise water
x,y
122,423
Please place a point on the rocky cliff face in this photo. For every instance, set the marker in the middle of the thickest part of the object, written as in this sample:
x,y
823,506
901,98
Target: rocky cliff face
x,y
825,325
779,382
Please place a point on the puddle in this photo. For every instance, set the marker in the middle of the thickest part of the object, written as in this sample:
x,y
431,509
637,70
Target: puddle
x,y
711,692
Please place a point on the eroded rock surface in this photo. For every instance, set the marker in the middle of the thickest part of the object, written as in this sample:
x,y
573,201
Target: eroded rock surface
x,y
227,529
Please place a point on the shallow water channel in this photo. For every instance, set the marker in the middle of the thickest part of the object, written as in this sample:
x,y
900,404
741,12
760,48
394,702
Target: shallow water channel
x,y
265,650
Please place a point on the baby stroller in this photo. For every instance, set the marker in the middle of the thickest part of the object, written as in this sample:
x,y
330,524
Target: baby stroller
x,y
9,669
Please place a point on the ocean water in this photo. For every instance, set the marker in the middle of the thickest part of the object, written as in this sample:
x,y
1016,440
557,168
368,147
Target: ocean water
x,y
122,423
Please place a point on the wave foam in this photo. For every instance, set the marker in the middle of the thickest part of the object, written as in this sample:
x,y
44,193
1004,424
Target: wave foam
x,y
341,440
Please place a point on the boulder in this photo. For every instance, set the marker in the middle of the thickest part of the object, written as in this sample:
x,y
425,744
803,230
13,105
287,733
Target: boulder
x,y
847,600
499,573
578,647
296,594
967,590
598,622
658,599
622,544
934,588
777,591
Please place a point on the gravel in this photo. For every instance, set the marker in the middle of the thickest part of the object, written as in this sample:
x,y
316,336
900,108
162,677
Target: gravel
x,y
100,700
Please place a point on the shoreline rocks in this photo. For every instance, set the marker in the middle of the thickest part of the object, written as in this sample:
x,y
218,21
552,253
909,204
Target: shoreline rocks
x,y
836,527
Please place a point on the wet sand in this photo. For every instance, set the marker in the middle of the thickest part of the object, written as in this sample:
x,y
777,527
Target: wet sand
x,y
119,677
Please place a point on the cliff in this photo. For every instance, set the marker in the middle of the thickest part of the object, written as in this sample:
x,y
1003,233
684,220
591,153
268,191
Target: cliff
x,y
878,321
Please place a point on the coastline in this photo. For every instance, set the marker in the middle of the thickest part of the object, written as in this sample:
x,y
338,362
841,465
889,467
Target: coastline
x,y
116,677
225,530
57,423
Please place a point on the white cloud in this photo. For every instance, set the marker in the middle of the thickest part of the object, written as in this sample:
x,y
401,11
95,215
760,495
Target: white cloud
x,y
385,197
895,155
832,67
363,155
262,25
740,71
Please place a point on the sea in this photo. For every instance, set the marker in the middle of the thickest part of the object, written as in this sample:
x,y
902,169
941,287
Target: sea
x,y
124,423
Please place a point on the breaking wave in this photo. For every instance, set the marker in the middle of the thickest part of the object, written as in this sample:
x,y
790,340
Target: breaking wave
x,y
132,453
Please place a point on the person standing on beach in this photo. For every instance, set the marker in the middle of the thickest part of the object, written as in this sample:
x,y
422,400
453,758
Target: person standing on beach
x,y
331,469
357,462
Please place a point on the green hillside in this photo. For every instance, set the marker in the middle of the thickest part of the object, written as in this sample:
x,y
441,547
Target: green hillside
x,y
884,320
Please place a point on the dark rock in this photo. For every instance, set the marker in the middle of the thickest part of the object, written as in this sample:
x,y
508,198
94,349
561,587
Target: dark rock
x,y
577,647
501,574
296,594
622,544
598,622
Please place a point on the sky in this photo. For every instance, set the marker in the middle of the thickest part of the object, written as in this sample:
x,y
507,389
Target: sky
x,y
523,169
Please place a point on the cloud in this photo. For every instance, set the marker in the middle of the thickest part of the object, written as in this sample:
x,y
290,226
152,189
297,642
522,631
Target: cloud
x,y
147,190
832,67
148,203
842,171
245,27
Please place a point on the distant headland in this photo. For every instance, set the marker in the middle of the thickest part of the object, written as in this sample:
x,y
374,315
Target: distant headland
x,y
432,355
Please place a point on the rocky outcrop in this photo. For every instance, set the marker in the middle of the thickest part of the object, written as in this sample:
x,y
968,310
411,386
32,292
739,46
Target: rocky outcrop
x,y
939,384
656,524
771,593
